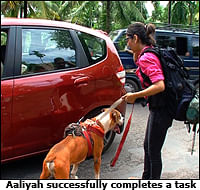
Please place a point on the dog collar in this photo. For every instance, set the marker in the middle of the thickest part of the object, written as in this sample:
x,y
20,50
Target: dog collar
x,y
93,125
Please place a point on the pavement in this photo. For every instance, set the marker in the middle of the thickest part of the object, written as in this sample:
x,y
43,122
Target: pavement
x,y
178,163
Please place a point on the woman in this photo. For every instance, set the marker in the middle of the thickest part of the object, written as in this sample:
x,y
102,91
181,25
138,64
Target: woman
x,y
139,37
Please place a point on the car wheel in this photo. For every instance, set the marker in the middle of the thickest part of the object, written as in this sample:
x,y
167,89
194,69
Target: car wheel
x,y
131,86
108,139
109,136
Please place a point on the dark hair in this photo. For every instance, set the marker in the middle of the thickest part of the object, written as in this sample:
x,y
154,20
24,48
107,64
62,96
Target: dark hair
x,y
144,32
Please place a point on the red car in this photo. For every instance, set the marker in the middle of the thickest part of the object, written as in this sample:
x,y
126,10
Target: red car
x,y
52,74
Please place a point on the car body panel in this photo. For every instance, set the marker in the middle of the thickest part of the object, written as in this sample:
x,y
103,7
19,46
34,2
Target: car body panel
x,y
37,107
6,117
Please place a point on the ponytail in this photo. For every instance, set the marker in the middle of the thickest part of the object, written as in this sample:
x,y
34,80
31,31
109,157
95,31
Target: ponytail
x,y
145,33
150,32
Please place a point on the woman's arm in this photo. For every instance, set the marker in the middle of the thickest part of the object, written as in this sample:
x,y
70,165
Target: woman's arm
x,y
151,90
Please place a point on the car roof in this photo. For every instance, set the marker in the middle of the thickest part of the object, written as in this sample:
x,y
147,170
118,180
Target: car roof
x,y
50,23
176,31
167,31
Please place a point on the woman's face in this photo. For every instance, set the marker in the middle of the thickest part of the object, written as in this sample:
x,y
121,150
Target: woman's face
x,y
132,42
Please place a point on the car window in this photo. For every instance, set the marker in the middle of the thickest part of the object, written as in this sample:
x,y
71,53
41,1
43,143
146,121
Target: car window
x,y
4,37
118,38
122,44
94,47
113,34
195,46
46,50
179,44
166,41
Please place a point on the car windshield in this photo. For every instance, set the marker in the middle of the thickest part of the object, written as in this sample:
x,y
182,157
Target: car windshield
x,y
113,34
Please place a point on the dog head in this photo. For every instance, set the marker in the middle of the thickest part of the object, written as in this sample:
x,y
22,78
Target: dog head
x,y
111,121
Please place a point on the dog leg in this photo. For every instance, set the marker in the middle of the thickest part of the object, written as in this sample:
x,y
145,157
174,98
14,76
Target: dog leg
x,y
62,169
74,171
45,172
97,165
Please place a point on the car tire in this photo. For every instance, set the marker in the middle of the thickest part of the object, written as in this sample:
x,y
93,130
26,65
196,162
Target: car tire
x,y
131,86
108,140
109,136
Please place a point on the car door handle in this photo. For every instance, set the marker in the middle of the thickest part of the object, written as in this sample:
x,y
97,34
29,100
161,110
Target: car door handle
x,y
83,81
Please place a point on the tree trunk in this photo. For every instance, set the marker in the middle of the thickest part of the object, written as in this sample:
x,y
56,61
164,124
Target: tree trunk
x,y
25,9
108,7
169,12
191,13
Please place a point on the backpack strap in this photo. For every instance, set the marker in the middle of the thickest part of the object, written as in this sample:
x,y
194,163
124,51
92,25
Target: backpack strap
x,y
154,50
146,79
157,100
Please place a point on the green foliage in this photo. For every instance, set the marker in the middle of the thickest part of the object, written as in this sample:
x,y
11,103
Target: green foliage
x,y
179,13
3,38
125,12
62,39
158,14
104,15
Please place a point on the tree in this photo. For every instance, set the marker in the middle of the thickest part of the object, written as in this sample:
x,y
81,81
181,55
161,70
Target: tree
x,y
104,15
193,9
125,12
142,9
21,9
11,8
85,14
55,10
157,13
184,12
169,12
108,16
179,13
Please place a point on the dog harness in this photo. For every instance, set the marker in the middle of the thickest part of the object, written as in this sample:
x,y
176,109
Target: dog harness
x,y
94,126
73,129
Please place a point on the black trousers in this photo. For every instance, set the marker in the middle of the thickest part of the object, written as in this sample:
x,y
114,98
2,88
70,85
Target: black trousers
x,y
158,123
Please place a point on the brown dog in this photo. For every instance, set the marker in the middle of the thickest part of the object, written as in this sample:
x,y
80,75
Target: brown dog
x,y
74,149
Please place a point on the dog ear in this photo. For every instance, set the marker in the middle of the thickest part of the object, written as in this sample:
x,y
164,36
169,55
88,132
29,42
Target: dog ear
x,y
114,115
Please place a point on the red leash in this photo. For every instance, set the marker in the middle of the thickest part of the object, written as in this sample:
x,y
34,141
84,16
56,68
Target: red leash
x,y
112,164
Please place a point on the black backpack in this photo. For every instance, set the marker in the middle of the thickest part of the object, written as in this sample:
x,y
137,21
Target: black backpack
x,y
179,91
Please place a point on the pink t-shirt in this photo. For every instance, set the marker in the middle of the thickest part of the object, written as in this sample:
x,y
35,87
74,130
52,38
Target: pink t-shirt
x,y
150,66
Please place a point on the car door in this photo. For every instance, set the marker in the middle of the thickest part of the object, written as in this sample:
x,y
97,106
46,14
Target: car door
x,y
193,65
7,65
46,92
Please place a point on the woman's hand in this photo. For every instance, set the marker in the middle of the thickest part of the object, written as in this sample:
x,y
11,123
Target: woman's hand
x,y
151,90
129,97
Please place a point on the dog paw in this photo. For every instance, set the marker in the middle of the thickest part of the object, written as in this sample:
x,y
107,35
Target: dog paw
x,y
74,177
